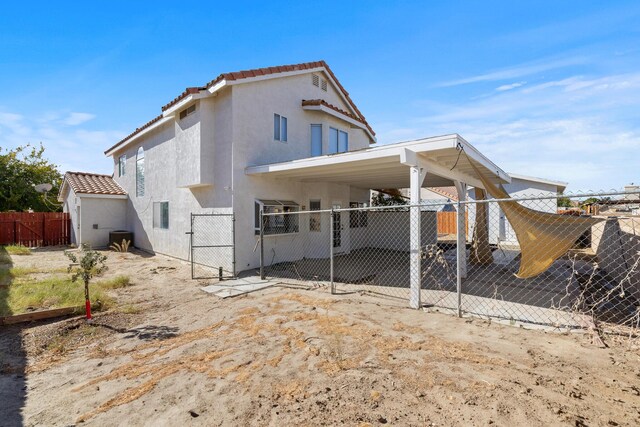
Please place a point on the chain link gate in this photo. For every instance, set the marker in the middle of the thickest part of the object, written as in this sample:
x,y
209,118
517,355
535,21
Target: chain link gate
x,y
212,245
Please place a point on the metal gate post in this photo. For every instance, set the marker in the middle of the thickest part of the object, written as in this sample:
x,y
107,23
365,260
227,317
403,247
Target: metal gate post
x,y
191,247
233,237
461,251
331,237
262,276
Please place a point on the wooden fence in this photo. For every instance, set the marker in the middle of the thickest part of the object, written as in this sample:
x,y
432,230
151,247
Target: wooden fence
x,y
35,229
448,223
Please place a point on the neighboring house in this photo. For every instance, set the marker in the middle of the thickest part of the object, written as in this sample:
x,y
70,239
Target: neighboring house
x,y
523,186
96,206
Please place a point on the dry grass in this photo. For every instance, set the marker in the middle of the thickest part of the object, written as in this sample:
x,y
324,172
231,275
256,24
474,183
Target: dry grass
x,y
115,282
17,250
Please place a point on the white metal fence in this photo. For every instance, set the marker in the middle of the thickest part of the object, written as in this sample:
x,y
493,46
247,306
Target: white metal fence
x,y
373,250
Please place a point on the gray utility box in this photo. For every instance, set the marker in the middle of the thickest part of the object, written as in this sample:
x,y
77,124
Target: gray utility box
x,y
119,235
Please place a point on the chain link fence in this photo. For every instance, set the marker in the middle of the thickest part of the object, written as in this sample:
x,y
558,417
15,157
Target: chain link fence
x,y
212,245
376,250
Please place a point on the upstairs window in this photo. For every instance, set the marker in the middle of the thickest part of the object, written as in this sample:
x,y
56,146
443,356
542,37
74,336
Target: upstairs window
x,y
315,80
161,215
140,173
323,85
279,128
122,162
187,111
285,220
338,141
316,140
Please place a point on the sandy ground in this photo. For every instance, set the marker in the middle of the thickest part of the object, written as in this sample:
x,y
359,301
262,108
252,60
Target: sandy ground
x,y
170,354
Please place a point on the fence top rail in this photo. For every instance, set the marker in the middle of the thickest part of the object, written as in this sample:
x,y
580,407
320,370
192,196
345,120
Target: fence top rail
x,y
395,208
556,196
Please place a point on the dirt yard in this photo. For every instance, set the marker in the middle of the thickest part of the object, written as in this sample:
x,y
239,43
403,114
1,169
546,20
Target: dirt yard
x,y
169,354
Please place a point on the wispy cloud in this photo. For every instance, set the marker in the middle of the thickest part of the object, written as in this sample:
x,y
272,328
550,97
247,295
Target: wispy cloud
x,y
577,129
74,119
518,71
510,86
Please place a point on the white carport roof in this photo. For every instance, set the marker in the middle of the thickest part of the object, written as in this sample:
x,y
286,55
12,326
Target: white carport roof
x,y
387,166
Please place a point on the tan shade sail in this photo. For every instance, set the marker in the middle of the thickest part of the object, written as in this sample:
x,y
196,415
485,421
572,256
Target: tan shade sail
x,y
543,237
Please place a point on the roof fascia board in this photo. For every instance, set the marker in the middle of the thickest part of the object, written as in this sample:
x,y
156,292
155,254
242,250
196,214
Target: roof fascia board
x,y
369,153
173,110
101,196
341,116
559,184
225,82
138,135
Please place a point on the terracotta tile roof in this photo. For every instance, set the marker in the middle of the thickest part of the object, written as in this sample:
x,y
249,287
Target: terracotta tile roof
x,y
448,192
93,183
239,75
339,110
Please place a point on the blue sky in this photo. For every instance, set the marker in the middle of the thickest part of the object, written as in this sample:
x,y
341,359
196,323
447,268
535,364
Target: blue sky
x,y
548,89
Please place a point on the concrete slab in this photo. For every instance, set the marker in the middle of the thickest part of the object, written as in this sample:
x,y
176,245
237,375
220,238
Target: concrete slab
x,y
235,287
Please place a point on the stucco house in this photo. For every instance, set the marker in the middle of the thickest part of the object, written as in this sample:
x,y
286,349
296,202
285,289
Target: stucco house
x,y
278,139
96,204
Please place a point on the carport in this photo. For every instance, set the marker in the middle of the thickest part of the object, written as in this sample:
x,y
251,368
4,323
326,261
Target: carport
x,y
430,162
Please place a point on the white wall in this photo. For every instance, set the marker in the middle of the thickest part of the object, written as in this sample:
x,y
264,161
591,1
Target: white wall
x,y
107,214
198,164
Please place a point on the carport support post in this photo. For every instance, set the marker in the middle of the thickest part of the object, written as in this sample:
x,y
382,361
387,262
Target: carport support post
x,y
331,238
461,241
262,277
415,262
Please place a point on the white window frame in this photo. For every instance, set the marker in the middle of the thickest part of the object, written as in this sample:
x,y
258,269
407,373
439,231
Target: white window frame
x,y
122,163
287,222
314,125
140,173
159,221
339,132
280,127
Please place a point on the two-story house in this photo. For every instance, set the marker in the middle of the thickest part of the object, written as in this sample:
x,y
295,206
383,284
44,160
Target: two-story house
x,y
278,139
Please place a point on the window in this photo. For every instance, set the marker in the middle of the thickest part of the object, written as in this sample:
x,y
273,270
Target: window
x,y
140,173
338,141
314,218
161,215
285,221
316,140
315,80
279,128
323,85
358,219
187,111
122,162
